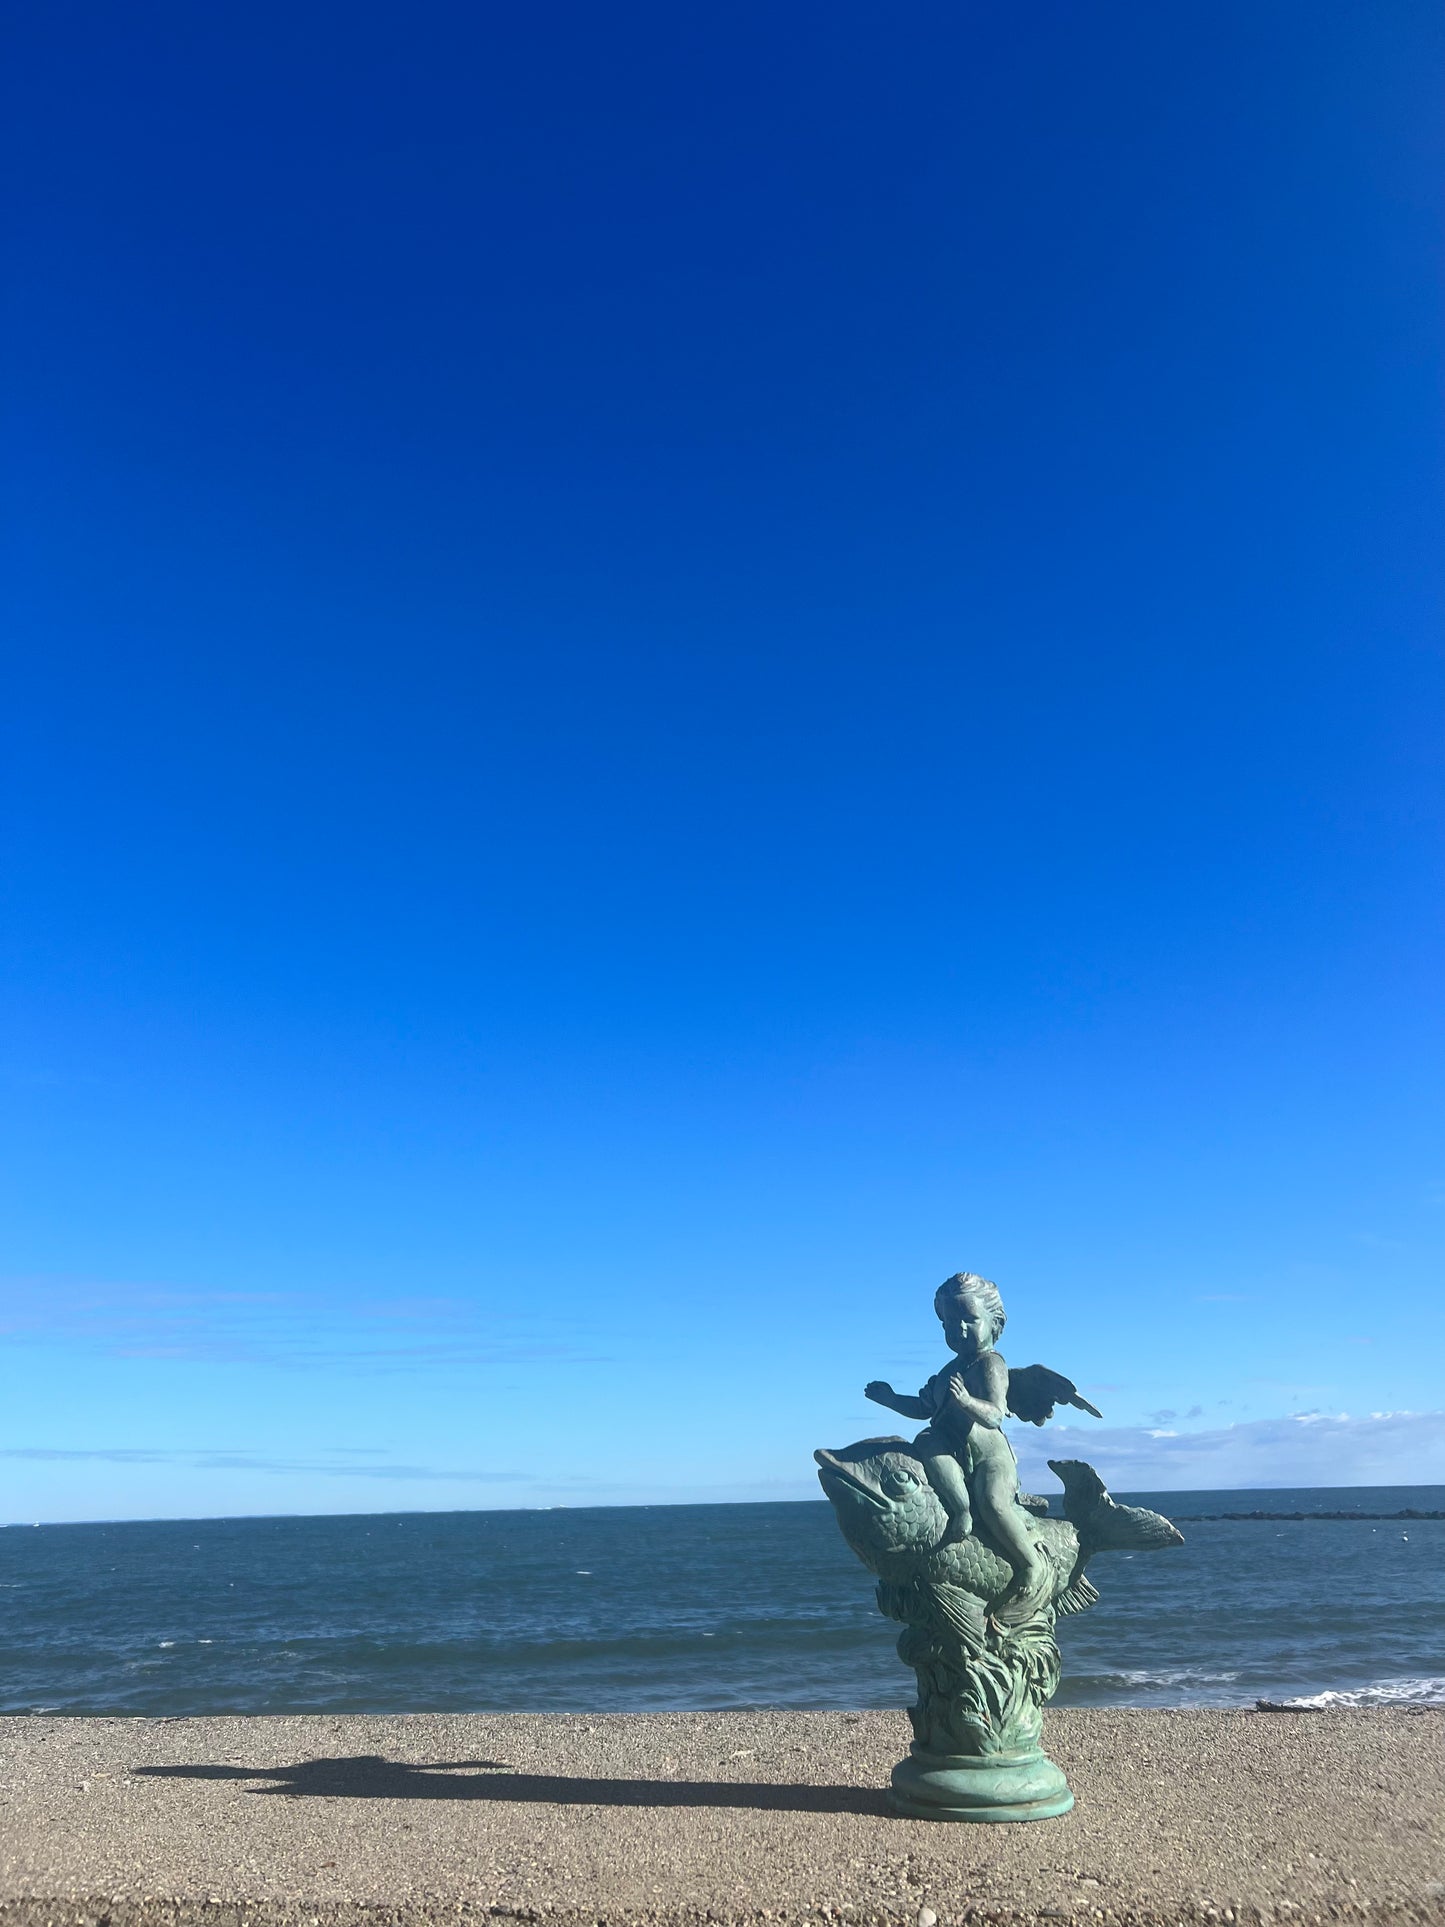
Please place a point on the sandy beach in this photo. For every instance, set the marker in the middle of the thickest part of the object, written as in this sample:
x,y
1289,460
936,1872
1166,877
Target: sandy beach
x,y
692,1817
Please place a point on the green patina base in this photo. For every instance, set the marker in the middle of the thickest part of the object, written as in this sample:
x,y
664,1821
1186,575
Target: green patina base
x,y
1025,1785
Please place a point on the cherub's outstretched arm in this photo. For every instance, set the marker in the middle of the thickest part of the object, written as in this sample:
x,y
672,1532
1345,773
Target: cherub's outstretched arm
x,y
882,1393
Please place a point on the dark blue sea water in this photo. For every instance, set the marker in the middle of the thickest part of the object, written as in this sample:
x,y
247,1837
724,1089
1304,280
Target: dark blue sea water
x,y
642,1608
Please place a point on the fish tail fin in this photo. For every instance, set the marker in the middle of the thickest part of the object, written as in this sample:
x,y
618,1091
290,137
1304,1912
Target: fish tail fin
x,y
1084,1490
1077,1596
1101,1523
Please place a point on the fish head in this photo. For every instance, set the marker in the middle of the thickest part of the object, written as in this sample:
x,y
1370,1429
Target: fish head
x,y
887,1510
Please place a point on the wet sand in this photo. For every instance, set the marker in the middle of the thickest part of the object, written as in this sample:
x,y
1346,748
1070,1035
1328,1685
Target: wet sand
x,y
691,1817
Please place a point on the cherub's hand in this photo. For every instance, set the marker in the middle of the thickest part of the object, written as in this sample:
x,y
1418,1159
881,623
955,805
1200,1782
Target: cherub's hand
x,y
879,1390
956,1387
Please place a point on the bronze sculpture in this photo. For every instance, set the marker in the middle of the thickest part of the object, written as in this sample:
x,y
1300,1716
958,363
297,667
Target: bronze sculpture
x,y
974,1570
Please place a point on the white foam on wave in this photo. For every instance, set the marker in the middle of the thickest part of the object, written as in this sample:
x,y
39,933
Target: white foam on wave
x,y
1174,1676
1384,1692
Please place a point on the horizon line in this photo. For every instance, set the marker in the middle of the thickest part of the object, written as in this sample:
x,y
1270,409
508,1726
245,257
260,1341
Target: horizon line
x,y
642,1505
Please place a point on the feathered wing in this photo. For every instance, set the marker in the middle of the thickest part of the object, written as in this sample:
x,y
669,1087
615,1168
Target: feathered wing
x,y
1034,1391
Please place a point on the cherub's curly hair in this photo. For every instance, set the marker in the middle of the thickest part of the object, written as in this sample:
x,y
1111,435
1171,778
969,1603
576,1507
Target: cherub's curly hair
x,y
984,1289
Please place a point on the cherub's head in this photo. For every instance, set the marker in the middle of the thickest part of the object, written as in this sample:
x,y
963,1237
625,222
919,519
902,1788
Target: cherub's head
x,y
972,1312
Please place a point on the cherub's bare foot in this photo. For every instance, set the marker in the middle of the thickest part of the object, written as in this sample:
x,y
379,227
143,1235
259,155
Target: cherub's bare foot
x,y
959,1528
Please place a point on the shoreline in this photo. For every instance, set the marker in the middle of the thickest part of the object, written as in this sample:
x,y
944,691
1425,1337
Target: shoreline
x,y
667,1820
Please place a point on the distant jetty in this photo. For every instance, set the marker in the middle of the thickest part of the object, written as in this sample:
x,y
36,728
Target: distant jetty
x,y
1409,1512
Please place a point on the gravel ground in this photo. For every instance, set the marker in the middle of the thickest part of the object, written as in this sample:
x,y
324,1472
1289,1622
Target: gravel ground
x,y
690,1817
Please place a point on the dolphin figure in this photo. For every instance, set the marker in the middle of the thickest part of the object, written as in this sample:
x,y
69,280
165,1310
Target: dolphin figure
x,y
893,1519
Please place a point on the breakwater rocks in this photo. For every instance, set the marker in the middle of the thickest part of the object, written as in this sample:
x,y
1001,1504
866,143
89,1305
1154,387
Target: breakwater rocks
x,y
1363,1518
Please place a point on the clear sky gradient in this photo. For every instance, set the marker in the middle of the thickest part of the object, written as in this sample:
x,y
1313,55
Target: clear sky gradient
x,y
675,669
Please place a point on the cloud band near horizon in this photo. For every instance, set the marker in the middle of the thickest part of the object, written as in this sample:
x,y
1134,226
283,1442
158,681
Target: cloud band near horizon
x,y
1309,1449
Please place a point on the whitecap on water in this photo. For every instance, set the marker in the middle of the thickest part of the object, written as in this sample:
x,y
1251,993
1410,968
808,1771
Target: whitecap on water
x,y
1174,1676
1384,1692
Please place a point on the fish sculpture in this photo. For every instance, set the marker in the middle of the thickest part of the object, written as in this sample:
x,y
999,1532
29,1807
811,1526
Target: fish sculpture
x,y
984,1673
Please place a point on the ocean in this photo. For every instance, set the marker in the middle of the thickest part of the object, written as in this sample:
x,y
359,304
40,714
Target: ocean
x,y
639,1609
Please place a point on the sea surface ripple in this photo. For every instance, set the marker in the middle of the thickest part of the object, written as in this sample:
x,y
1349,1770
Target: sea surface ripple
x,y
636,1609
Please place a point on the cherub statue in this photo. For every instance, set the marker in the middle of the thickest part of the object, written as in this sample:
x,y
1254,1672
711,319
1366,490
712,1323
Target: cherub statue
x,y
968,1459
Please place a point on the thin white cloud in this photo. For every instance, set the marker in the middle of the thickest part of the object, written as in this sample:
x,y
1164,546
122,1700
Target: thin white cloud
x,y
296,1330
1303,1449
223,1461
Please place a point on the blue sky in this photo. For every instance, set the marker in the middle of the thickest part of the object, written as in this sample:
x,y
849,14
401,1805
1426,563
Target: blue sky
x,y
674,671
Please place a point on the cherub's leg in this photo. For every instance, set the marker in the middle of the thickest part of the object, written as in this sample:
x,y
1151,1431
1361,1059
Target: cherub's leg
x,y
995,1492
945,1475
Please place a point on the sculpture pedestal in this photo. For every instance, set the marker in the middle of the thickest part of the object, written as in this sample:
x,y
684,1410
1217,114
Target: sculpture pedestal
x,y
1021,1785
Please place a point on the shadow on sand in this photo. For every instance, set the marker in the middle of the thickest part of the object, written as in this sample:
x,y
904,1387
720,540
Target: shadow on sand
x,y
369,1776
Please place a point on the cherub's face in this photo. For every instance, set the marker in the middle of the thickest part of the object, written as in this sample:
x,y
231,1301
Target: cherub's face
x,y
967,1325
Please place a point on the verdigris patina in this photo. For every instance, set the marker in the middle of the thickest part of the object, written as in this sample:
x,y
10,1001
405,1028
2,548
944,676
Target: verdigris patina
x,y
974,1570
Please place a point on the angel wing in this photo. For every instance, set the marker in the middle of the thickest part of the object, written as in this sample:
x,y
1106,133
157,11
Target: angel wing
x,y
1034,1391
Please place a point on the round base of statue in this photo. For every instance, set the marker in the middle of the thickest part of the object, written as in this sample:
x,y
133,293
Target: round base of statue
x,y
996,1787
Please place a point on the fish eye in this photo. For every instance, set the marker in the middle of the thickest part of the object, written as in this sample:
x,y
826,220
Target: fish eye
x,y
894,1479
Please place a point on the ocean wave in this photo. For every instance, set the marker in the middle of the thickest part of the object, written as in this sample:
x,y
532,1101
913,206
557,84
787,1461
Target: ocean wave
x,y
1384,1692
689,1607
1172,1676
